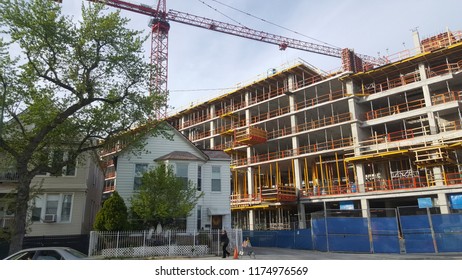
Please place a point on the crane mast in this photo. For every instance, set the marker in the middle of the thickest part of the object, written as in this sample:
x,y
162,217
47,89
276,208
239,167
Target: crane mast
x,y
160,27
159,56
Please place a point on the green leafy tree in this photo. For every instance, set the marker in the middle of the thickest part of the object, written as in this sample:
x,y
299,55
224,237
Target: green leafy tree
x,y
113,216
67,86
163,196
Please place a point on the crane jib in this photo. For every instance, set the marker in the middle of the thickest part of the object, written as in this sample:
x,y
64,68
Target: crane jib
x,y
242,31
236,30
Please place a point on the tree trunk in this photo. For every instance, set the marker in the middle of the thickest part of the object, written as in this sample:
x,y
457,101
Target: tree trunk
x,y
20,218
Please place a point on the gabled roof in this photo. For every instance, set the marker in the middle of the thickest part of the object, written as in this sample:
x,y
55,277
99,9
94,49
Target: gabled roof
x,y
186,139
178,155
216,154
203,156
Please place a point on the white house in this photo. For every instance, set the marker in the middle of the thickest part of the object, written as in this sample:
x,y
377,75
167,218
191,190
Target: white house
x,y
207,169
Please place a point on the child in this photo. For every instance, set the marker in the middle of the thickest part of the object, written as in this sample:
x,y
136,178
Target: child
x,y
246,247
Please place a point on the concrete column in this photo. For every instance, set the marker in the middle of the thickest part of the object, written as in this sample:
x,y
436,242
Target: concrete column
x,y
291,82
357,134
365,214
181,124
297,170
212,126
443,203
212,143
438,176
293,121
248,116
430,115
298,183
360,177
213,111
365,208
251,219
247,96
422,71
250,186
416,40
382,169
425,88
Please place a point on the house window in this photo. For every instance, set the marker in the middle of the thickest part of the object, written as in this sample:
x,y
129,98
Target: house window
x,y
57,160
52,203
140,169
199,217
199,177
66,208
69,169
58,206
36,214
182,172
216,179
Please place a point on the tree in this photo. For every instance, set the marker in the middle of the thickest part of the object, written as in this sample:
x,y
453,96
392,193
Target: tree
x,y
163,197
113,216
71,88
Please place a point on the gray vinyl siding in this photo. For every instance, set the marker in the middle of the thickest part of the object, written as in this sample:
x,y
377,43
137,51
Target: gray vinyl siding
x,y
86,188
68,228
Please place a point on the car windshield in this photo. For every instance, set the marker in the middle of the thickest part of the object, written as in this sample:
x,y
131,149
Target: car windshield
x,y
23,255
76,253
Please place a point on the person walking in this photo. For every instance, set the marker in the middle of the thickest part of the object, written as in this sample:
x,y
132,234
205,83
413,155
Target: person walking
x,y
224,241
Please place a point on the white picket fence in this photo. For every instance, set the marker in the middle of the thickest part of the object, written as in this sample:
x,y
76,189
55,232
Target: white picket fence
x,y
140,244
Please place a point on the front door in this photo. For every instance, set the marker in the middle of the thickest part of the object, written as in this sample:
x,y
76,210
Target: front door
x,y
217,222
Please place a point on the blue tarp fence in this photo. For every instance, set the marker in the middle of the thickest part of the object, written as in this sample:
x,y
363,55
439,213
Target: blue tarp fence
x,y
386,231
293,239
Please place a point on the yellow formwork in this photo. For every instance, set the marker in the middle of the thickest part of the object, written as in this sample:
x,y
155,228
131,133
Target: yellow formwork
x,y
377,155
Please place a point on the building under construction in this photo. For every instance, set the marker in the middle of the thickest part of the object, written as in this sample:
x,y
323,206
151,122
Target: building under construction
x,y
363,138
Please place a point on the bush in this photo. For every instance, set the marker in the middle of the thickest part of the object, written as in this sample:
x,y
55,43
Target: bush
x,y
113,216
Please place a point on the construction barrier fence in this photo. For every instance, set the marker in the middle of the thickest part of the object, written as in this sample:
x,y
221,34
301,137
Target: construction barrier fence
x,y
392,231
400,230
293,239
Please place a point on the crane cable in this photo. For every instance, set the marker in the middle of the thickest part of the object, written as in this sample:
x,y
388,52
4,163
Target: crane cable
x,y
277,25
221,13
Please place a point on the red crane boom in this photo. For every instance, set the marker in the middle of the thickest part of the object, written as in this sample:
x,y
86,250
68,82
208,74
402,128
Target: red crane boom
x,y
159,44
236,30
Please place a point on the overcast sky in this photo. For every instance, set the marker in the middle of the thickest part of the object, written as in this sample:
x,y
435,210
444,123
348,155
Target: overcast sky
x,y
202,62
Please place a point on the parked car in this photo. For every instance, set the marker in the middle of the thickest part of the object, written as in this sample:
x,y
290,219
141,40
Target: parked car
x,y
48,253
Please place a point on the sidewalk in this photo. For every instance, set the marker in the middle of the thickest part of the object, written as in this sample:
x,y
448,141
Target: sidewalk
x,y
262,253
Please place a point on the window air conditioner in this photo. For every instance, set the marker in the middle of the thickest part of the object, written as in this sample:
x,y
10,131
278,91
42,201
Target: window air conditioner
x,y
49,218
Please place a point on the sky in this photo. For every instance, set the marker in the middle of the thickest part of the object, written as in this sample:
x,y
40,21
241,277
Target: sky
x,y
205,64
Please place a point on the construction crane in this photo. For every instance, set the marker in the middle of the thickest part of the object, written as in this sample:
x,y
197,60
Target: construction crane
x,y
160,27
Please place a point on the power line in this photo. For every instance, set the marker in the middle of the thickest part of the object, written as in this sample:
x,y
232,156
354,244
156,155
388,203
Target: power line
x,y
201,89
